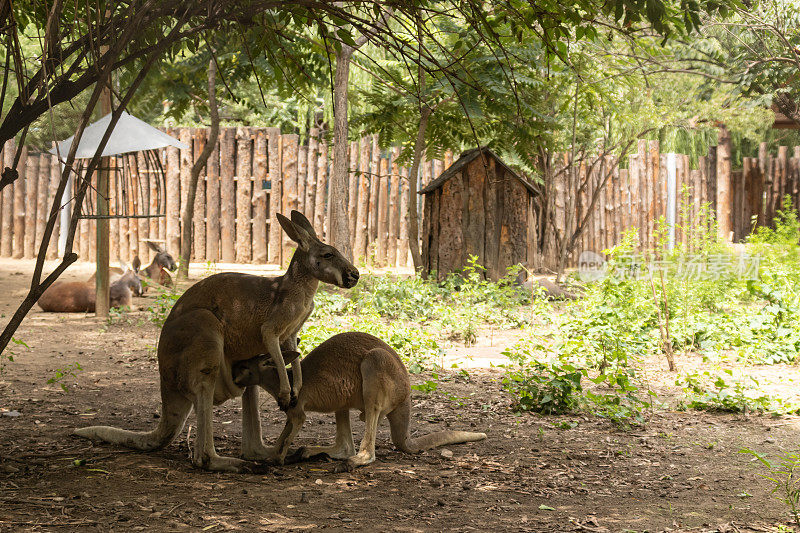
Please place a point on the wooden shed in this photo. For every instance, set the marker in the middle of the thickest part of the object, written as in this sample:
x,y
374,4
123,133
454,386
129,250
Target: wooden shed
x,y
478,206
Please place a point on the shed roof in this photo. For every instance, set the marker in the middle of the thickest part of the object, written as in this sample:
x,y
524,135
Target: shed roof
x,y
467,157
130,135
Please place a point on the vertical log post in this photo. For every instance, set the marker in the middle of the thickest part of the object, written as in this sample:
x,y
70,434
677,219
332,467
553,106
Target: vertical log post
x,y
199,140
143,200
374,191
4,234
213,205
6,217
260,198
244,195
154,223
394,202
360,246
137,245
19,207
320,194
654,190
274,247
118,208
173,185
55,178
302,176
43,176
383,212
290,201
31,187
114,252
645,235
187,159
311,179
766,180
227,153
352,191
403,249
724,196
635,198
783,176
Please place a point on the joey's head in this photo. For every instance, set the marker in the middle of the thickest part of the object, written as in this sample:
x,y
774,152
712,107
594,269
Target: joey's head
x,y
260,370
130,279
324,261
163,258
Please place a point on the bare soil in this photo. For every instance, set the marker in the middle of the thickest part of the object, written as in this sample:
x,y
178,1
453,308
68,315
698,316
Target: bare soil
x,y
681,471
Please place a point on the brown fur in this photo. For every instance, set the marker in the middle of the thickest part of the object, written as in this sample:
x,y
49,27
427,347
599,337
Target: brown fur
x,y
226,318
157,271
80,296
349,371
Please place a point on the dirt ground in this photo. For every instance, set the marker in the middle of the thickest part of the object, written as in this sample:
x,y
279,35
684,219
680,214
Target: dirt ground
x,y
682,471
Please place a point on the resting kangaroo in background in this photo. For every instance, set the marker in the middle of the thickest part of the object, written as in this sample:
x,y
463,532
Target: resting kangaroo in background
x,y
348,371
156,271
80,296
227,318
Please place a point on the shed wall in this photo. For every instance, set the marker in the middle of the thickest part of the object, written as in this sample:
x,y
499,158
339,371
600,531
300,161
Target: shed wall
x,y
479,213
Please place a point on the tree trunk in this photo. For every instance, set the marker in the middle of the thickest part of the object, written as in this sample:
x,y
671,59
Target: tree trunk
x,y
412,217
339,220
338,190
188,210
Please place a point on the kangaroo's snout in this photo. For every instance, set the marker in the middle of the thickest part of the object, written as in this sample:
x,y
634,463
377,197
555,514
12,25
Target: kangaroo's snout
x,y
241,375
350,279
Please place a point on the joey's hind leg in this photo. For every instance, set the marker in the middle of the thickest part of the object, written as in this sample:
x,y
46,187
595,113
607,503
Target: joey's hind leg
x,y
252,441
376,400
366,452
343,447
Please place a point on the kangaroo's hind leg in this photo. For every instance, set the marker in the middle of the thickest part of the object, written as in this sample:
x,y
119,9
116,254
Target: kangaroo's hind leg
x,y
192,349
343,447
376,391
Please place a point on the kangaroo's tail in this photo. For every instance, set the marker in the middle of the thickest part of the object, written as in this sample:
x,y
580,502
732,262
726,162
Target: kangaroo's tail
x,y
175,408
399,423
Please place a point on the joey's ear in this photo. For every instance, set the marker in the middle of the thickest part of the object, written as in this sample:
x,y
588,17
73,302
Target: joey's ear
x,y
153,246
137,263
289,356
300,219
295,232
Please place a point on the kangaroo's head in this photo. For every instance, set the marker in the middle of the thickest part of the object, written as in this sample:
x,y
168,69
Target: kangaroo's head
x,y
324,261
261,371
163,259
129,282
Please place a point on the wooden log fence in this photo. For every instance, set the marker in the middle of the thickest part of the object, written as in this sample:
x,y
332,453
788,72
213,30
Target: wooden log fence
x,y
254,172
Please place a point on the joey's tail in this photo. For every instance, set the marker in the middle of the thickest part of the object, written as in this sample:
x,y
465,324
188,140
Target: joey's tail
x,y
399,423
175,408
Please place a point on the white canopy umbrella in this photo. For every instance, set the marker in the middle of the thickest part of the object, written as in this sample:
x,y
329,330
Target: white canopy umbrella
x,y
129,135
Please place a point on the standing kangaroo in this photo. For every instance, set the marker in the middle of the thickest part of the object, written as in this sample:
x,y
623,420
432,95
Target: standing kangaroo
x,y
226,318
348,371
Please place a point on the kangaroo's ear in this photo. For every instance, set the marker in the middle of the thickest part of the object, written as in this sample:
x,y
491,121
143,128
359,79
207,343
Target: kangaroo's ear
x,y
295,232
153,246
137,263
289,356
300,219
